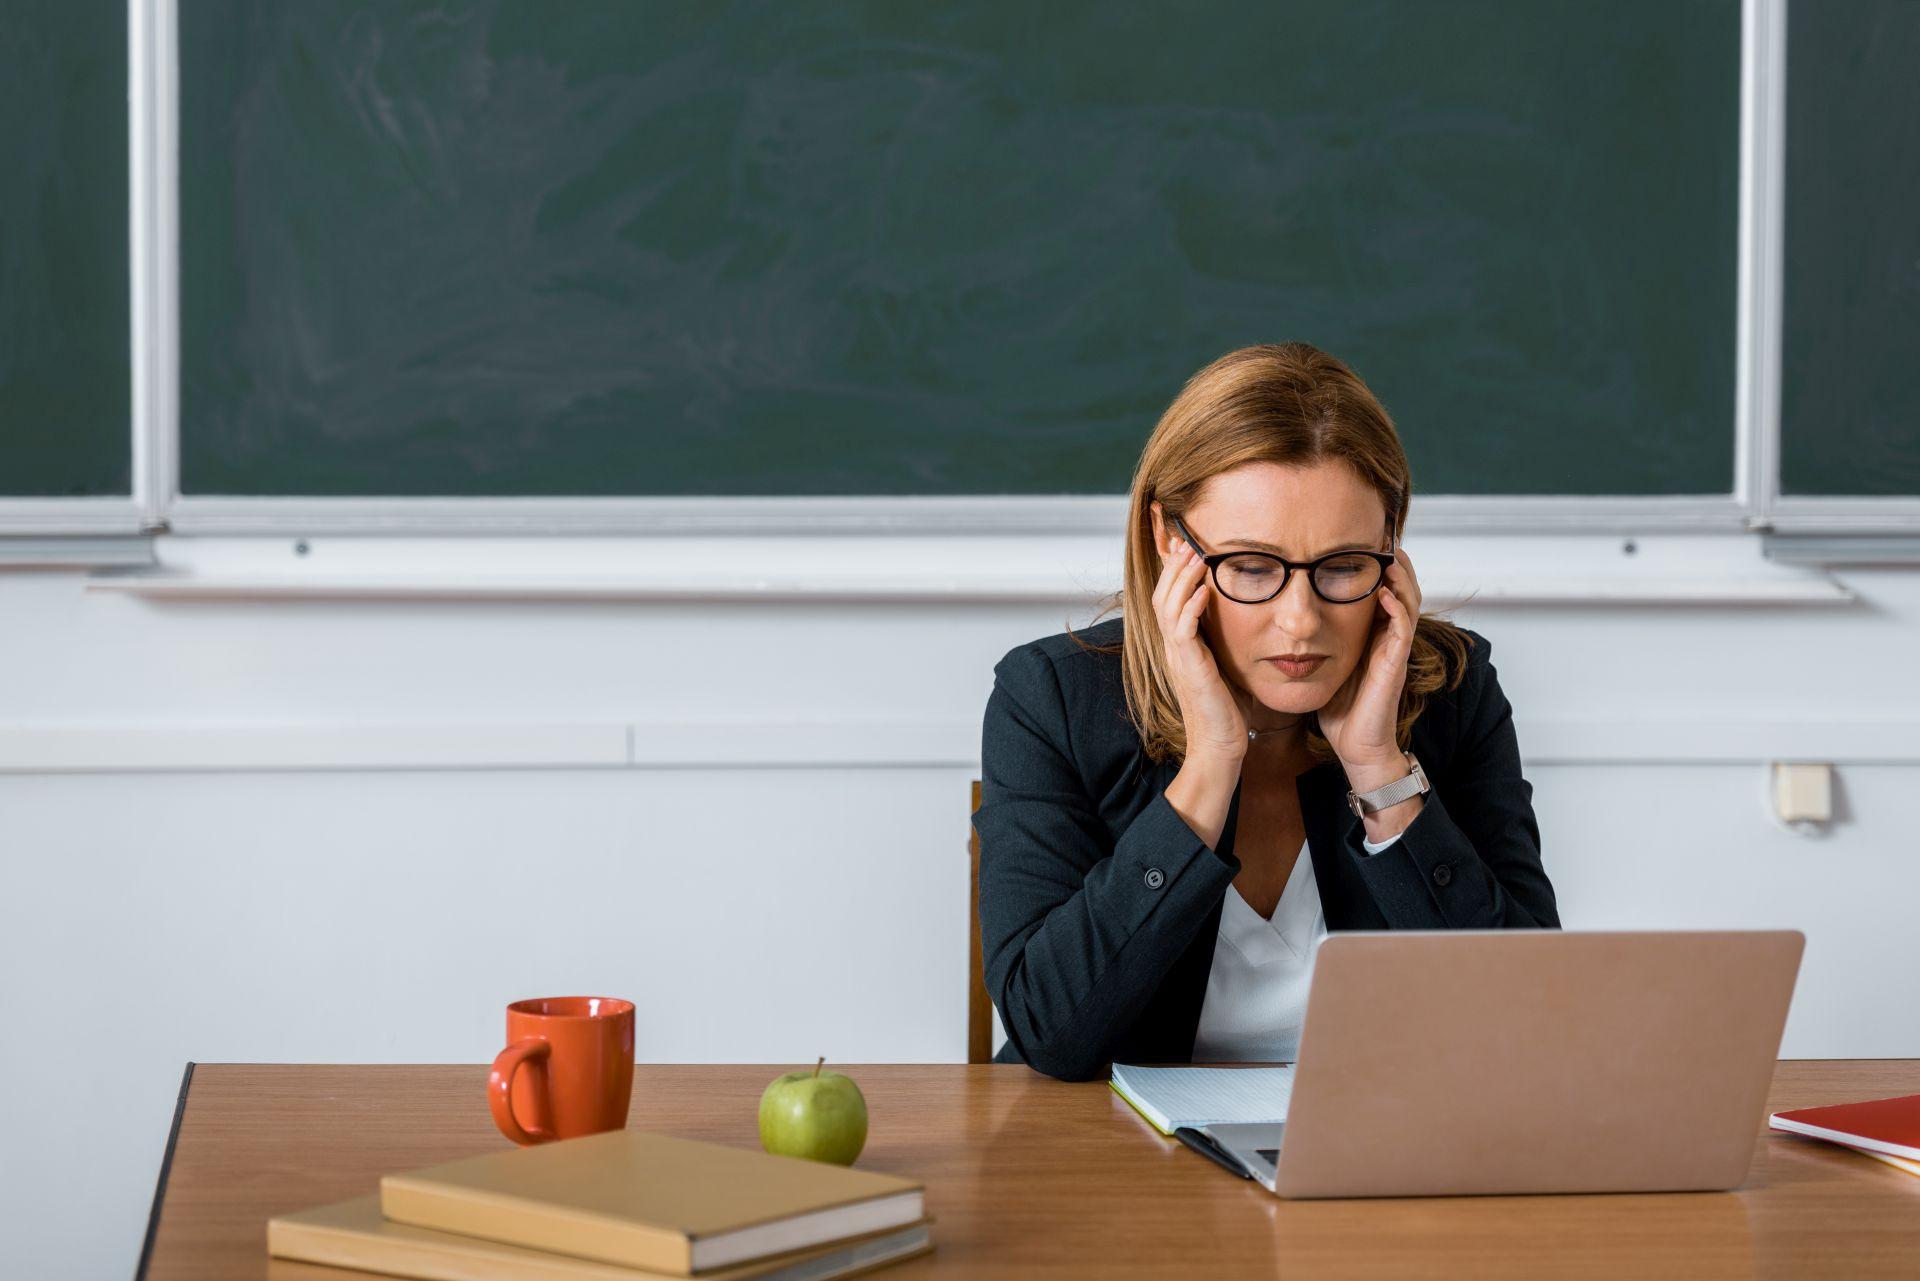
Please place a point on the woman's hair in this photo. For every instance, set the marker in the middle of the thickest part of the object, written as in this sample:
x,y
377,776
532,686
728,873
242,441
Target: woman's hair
x,y
1286,403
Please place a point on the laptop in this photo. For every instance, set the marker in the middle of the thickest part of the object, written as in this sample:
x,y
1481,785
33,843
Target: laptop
x,y
1460,1062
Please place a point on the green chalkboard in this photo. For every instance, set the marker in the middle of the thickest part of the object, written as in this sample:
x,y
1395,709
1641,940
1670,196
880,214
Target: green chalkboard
x,y
65,363
483,247
1850,349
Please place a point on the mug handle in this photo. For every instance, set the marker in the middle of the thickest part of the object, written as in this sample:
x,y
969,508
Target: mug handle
x,y
500,1089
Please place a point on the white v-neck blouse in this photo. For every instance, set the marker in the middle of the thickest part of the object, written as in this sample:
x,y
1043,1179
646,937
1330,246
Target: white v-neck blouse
x,y
1257,990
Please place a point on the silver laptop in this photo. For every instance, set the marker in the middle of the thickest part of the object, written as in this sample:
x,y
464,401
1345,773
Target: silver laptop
x,y
1450,1062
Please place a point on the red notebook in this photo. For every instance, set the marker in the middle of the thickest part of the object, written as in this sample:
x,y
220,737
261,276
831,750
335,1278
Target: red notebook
x,y
1878,1125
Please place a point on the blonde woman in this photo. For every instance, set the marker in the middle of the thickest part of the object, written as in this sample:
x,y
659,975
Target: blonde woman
x,y
1270,743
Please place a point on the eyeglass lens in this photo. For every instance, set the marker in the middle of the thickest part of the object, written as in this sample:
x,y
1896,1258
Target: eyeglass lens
x,y
1253,579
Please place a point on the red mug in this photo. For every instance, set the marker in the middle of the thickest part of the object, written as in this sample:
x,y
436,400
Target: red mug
x,y
567,1069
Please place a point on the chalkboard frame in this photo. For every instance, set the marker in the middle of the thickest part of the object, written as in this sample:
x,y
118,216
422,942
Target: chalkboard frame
x,y
1753,501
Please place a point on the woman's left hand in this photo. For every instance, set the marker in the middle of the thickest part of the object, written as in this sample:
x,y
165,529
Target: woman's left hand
x,y
1360,720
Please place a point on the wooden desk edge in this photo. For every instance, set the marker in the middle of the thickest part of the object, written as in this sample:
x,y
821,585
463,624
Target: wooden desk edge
x,y
186,1083
166,1167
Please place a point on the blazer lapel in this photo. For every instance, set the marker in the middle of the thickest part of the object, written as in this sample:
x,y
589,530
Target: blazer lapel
x,y
1332,830
1171,1021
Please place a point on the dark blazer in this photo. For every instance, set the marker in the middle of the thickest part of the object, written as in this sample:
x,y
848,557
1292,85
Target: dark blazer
x,y
1099,906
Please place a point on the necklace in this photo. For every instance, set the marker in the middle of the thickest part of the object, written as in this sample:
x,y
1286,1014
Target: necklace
x,y
1254,734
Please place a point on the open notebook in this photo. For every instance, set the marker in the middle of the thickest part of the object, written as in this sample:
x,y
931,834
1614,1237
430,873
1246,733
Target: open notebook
x,y
1170,1097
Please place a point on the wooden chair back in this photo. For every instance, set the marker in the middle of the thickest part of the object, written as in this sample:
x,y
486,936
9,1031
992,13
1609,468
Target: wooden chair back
x,y
979,1007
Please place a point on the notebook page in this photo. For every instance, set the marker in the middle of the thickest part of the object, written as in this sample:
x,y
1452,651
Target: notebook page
x,y
1208,1095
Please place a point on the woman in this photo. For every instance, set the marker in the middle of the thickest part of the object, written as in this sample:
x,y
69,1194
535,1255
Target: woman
x,y
1168,810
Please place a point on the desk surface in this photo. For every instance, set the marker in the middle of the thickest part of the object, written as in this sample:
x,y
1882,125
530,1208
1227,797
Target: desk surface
x,y
1029,1176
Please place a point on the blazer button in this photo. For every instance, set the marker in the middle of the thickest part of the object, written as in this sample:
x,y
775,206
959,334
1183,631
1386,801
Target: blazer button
x,y
1155,878
1442,874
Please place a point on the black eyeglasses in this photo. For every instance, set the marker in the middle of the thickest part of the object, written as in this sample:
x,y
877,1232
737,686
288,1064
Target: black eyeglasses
x,y
1253,578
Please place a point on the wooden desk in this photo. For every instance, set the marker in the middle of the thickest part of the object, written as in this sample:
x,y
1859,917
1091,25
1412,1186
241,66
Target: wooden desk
x,y
1028,1176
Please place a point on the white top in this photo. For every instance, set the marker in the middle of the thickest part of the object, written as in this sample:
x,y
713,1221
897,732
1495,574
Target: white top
x,y
1257,990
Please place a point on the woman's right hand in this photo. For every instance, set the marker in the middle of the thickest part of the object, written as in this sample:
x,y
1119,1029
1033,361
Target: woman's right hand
x,y
1215,724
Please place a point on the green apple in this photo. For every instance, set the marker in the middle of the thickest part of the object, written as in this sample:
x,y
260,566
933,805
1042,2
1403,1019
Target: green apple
x,y
821,1116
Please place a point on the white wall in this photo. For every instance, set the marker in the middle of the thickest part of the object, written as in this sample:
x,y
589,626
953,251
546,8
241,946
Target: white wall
x,y
282,828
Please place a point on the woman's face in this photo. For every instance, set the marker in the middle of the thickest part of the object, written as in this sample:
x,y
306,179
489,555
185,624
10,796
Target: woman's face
x,y
1301,513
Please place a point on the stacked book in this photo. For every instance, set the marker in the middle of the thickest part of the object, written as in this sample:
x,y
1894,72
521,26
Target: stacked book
x,y
1884,1129
621,1206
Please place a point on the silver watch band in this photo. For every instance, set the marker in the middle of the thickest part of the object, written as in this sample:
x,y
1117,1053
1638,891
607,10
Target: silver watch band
x,y
1393,793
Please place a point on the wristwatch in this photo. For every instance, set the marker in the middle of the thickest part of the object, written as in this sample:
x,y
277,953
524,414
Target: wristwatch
x,y
1401,789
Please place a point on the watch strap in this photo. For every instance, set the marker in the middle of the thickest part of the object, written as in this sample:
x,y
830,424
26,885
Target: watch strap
x,y
1393,793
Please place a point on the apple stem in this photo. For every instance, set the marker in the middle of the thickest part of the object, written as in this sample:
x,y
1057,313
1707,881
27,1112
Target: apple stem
x,y
816,1067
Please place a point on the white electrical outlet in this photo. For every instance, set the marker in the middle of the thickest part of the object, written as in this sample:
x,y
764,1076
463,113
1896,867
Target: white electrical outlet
x,y
1802,793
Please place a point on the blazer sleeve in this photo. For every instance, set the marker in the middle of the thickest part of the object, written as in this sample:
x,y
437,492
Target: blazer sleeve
x,y
1077,928
1471,858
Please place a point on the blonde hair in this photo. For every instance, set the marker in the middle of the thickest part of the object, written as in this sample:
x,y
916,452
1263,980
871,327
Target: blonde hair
x,y
1287,403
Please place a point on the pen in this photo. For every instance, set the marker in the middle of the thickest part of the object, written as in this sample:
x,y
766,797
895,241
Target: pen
x,y
1203,1143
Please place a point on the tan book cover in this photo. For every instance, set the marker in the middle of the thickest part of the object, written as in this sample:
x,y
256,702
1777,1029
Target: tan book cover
x,y
354,1234
641,1199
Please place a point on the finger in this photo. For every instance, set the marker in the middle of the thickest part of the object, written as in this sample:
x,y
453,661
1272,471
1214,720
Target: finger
x,y
1412,594
1182,603
1181,566
1169,570
1390,606
1170,593
1192,572
1397,587
1396,607
1196,605
1400,621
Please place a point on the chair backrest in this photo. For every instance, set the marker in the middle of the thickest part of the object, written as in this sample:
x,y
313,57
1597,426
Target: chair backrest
x,y
979,1007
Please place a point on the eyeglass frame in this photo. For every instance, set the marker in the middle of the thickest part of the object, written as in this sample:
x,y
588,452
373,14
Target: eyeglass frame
x,y
1212,562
